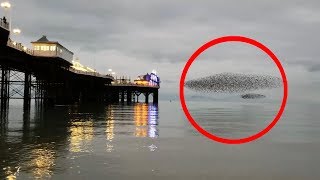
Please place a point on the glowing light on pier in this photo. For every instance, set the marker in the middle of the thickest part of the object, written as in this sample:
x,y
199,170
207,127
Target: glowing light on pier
x,y
6,5
148,80
79,67
16,31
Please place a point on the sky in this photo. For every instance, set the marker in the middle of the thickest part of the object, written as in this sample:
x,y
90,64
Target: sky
x,y
135,37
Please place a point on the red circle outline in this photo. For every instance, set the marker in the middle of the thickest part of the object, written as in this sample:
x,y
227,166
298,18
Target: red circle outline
x,y
233,39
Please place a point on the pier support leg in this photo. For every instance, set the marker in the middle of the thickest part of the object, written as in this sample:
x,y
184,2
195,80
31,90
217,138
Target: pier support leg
x,y
4,121
5,75
116,96
155,96
27,92
40,92
147,97
129,96
137,94
122,95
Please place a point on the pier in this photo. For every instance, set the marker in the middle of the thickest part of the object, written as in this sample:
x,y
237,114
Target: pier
x,y
48,74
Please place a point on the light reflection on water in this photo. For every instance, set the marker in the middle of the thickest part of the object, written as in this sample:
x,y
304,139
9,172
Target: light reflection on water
x,y
81,134
124,142
30,148
146,121
42,161
234,121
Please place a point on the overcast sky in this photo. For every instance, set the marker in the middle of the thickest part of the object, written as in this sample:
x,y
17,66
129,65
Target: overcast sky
x,y
134,37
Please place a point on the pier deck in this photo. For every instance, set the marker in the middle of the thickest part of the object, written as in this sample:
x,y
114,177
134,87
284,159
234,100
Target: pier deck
x,y
53,80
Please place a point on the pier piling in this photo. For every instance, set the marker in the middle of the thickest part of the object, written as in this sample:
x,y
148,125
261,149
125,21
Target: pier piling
x,y
146,97
129,96
155,96
27,91
5,76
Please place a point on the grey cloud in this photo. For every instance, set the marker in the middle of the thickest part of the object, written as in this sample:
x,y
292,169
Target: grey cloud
x,y
168,81
122,25
152,32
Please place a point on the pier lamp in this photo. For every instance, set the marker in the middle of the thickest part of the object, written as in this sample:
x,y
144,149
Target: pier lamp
x,y
16,31
113,73
6,5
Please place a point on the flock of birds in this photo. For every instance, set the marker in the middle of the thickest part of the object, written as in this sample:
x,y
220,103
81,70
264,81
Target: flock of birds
x,y
234,83
252,96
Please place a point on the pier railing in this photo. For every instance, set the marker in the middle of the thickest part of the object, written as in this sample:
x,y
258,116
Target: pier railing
x,y
133,84
96,74
19,47
4,24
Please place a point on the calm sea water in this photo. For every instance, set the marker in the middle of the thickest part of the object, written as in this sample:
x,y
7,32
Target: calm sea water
x,y
145,141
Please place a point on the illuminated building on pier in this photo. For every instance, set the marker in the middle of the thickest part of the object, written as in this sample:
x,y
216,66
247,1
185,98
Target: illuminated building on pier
x,y
45,48
148,80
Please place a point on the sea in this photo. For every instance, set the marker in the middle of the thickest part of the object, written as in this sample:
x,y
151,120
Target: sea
x,y
156,141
